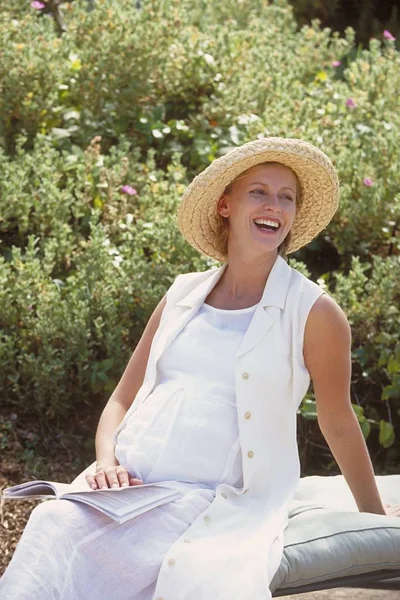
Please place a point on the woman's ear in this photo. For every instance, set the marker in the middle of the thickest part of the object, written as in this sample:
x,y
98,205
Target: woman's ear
x,y
222,206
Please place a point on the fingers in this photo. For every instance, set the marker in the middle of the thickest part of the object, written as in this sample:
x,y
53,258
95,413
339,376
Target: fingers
x,y
135,481
101,480
123,476
91,481
392,510
113,477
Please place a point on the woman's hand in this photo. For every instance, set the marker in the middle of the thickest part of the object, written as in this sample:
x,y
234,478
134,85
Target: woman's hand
x,y
111,476
393,510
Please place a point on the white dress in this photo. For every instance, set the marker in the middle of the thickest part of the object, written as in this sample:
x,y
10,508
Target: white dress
x,y
185,432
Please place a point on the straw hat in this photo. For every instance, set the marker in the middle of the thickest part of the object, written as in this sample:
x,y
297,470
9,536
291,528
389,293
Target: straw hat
x,y
197,216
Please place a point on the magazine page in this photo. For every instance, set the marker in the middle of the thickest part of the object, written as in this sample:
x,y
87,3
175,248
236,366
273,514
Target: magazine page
x,y
39,489
32,489
122,504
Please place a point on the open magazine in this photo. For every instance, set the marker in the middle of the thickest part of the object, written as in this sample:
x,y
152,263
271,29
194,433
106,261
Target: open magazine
x,y
120,504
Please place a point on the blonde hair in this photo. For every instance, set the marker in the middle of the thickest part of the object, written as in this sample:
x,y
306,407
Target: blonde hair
x,y
223,229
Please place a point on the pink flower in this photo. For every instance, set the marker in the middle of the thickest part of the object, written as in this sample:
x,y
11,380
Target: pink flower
x,y
127,189
38,5
368,182
336,63
388,36
350,103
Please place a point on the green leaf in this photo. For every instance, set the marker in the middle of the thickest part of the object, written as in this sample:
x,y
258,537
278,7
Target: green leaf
x,y
106,364
102,376
393,366
308,409
365,428
359,411
386,434
390,391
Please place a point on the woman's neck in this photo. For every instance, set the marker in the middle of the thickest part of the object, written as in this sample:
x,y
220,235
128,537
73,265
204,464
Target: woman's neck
x,y
242,283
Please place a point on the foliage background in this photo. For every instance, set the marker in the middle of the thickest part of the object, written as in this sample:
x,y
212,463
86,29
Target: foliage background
x,y
107,111
367,17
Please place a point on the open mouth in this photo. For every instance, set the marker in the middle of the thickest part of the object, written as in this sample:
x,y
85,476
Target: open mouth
x,y
267,226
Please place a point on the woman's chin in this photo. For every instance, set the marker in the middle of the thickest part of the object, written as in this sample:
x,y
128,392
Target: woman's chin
x,y
268,243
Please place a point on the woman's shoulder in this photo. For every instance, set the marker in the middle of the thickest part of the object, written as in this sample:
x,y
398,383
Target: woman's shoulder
x,y
304,294
302,282
312,298
184,281
183,278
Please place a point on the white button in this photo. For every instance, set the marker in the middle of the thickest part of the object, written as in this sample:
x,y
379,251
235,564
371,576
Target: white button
x,y
187,541
171,561
207,518
223,495
245,375
247,415
250,454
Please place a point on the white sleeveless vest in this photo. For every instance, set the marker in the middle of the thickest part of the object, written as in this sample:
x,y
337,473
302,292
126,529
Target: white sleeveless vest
x,y
236,544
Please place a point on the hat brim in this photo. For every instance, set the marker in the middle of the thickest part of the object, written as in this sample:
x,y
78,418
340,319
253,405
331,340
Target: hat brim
x,y
197,215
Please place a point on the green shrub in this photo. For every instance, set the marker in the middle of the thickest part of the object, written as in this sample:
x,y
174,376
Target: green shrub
x,y
372,304
90,265
146,98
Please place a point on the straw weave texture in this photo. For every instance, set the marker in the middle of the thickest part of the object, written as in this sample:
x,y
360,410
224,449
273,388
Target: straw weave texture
x,y
197,215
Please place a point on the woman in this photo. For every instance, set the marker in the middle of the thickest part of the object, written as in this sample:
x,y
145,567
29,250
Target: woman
x,y
217,378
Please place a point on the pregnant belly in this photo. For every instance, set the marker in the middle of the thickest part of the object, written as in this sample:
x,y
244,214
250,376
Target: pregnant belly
x,y
181,436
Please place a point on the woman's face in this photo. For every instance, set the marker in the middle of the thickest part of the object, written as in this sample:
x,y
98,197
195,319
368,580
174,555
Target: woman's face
x,y
266,192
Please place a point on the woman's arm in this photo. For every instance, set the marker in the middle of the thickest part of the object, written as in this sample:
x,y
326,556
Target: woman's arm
x,y
327,355
121,399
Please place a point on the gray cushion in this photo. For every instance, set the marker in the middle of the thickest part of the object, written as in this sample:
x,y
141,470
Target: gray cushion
x,y
327,537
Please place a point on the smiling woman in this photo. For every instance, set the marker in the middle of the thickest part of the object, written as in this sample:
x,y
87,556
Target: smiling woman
x,y
271,190
208,404
307,169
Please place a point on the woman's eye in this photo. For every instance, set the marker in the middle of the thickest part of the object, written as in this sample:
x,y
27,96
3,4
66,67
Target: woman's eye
x,y
282,195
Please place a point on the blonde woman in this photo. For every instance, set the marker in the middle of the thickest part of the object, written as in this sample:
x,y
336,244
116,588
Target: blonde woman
x,y
208,403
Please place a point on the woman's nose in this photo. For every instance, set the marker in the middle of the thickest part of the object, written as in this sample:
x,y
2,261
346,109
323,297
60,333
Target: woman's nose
x,y
272,201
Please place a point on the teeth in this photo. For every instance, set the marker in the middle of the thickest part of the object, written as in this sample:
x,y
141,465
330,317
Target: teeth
x,y
267,222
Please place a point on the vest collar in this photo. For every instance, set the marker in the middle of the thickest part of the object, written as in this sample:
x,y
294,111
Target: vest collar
x,y
275,290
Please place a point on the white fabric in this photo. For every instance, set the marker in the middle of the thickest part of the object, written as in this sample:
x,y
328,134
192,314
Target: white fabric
x,y
187,429
70,551
237,544
234,546
186,432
